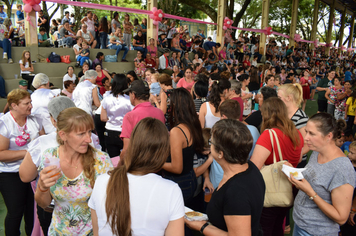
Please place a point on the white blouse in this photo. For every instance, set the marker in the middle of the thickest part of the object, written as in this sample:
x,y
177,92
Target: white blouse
x,y
66,77
10,130
83,96
116,108
40,99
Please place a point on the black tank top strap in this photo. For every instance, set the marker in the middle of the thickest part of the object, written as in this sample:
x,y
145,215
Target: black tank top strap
x,y
184,135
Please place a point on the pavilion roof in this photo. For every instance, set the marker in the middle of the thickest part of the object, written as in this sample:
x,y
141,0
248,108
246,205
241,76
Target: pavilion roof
x,y
341,4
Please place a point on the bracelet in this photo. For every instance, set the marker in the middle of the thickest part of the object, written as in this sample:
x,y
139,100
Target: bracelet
x,y
43,191
203,227
312,198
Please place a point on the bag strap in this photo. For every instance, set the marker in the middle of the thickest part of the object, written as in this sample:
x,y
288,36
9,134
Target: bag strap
x,y
278,145
271,137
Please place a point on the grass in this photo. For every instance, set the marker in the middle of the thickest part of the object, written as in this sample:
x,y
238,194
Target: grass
x,y
310,109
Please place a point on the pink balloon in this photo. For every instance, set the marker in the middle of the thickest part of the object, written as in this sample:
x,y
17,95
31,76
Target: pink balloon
x,y
25,1
37,1
154,9
224,28
36,7
155,22
27,8
152,16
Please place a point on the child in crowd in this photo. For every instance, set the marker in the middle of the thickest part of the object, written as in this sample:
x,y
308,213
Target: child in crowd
x,y
155,89
42,38
348,139
350,111
106,85
84,55
221,64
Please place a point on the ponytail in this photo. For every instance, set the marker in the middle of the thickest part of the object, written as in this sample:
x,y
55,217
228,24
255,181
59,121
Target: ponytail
x,y
217,88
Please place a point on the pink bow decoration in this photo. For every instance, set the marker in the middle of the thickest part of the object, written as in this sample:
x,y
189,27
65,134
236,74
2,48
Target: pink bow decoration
x,y
297,38
227,23
342,48
350,49
157,15
268,30
329,45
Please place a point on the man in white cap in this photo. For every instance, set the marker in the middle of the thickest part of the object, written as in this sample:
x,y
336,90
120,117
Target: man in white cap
x,y
40,99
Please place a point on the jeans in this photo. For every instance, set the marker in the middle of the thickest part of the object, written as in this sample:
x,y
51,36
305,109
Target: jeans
x,y
6,46
118,48
18,198
127,39
2,87
68,41
141,49
208,67
113,143
330,109
82,59
103,40
186,182
300,232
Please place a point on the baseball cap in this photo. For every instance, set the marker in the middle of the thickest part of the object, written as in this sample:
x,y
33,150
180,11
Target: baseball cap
x,y
139,87
23,82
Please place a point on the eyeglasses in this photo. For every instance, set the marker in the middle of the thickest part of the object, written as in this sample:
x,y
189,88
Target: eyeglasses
x,y
210,142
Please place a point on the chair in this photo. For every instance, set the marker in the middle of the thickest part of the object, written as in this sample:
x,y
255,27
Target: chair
x,y
60,41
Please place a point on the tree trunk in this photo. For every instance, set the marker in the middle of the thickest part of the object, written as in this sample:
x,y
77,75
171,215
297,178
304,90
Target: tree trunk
x,y
9,7
240,14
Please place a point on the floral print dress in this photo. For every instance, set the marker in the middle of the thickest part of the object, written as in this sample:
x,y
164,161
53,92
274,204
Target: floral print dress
x,y
141,67
340,105
71,214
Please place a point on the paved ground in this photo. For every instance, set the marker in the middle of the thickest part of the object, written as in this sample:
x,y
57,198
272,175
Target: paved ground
x,y
311,109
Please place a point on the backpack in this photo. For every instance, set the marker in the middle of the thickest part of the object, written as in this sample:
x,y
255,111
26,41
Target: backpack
x,y
110,58
53,57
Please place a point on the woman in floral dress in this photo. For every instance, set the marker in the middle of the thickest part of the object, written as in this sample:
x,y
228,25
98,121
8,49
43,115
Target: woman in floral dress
x,y
140,65
70,183
336,107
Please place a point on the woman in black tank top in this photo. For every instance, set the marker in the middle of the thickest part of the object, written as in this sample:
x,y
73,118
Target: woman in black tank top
x,y
185,139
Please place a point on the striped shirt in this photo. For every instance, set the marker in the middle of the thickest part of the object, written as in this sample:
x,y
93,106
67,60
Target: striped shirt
x,y
300,120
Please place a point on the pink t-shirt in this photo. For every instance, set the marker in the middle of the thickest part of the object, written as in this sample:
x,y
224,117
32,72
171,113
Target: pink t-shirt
x,y
241,102
222,54
139,112
184,84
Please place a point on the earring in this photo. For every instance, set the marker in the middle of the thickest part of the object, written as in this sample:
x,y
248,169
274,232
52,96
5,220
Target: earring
x,y
219,156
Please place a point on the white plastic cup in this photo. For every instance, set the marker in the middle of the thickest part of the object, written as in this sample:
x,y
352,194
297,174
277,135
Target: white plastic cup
x,y
49,161
16,76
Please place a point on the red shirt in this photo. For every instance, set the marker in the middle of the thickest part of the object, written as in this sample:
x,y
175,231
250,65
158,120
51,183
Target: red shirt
x,y
102,90
288,151
139,112
150,63
241,106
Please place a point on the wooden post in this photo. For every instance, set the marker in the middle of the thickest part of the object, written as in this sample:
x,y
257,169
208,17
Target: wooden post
x,y
31,30
151,28
341,37
221,15
330,26
351,38
315,22
293,26
264,24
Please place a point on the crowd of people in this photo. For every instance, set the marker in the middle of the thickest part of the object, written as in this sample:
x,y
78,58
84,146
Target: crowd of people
x,y
122,154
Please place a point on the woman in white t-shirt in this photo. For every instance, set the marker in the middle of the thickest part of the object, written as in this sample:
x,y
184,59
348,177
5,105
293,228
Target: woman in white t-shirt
x,y
78,47
17,129
132,198
26,67
70,75
114,108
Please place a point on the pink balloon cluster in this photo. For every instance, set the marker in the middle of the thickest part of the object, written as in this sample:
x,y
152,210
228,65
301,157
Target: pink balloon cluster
x,y
316,42
297,37
227,23
31,5
268,30
157,15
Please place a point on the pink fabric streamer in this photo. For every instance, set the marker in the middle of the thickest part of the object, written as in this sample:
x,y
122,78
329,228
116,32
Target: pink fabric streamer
x,y
29,20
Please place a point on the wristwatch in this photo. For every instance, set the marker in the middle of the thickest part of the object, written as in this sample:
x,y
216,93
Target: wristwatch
x,y
204,226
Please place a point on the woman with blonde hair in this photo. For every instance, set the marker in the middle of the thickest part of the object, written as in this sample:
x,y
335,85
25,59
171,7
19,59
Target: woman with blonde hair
x,y
275,116
70,182
132,199
292,96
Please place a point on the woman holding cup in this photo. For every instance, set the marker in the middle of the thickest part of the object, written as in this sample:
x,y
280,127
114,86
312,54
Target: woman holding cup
x,y
71,185
17,128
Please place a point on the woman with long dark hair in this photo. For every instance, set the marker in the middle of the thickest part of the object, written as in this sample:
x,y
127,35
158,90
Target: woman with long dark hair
x,y
186,139
132,199
209,112
103,31
114,107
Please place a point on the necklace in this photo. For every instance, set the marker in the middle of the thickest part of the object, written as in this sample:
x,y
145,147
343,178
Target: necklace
x,y
76,167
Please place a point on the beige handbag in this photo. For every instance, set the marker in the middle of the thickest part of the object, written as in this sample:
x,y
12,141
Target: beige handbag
x,y
278,188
